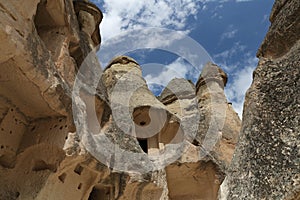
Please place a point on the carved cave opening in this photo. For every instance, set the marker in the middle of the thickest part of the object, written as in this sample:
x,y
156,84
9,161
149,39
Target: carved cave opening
x,y
42,18
100,192
45,24
143,144
154,129
51,26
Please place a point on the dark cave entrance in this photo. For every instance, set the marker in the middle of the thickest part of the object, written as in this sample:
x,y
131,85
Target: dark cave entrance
x,y
143,144
100,192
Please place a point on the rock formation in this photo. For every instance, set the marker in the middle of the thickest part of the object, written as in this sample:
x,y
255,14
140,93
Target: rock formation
x,y
111,138
44,154
266,163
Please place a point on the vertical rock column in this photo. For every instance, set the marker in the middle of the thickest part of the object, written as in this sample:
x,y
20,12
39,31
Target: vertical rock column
x,y
198,168
219,124
89,18
134,108
137,118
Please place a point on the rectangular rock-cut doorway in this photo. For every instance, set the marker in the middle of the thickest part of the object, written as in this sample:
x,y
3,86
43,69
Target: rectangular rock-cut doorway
x,y
101,192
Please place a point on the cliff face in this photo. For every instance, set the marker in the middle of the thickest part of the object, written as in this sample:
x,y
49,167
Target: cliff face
x,y
42,45
266,163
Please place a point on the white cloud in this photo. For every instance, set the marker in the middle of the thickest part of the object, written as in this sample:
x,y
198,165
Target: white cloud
x,y
240,74
229,34
177,69
175,42
223,1
265,19
242,79
242,0
237,48
125,15
204,7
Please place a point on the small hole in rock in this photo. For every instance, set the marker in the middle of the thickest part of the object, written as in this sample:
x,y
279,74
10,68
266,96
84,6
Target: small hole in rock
x,y
40,165
100,192
78,169
2,147
33,128
79,186
66,138
62,177
142,123
60,120
12,110
143,144
10,132
61,128
196,143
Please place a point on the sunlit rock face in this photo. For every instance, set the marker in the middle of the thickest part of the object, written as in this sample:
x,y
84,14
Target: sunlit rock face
x,y
116,142
266,163
44,45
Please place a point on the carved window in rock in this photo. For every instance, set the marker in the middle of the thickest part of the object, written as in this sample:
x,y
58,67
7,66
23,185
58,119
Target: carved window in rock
x,y
154,129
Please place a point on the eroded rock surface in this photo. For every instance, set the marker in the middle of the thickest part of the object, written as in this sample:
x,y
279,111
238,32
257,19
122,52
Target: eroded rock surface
x,y
266,163
124,143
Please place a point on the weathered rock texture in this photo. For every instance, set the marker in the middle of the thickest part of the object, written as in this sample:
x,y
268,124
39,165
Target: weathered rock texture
x,y
266,164
42,154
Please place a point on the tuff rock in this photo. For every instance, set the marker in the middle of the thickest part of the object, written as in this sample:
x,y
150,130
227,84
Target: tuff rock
x,y
69,130
266,162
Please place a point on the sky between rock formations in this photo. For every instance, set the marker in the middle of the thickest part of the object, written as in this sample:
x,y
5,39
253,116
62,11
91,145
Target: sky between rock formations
x,y
229,30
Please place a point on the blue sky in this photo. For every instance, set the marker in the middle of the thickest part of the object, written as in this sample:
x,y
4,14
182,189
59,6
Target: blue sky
x,y
229,30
